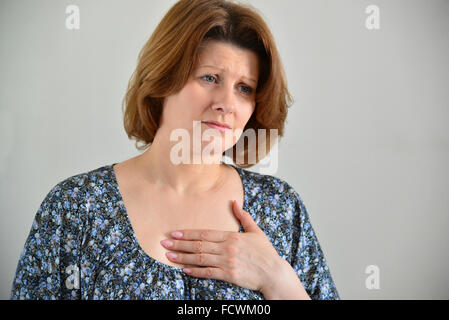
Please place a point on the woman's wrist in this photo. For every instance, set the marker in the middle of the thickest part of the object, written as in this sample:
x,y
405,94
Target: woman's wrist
x,y
283,284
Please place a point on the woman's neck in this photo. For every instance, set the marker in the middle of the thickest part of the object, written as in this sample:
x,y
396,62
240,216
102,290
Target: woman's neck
x,y
184,179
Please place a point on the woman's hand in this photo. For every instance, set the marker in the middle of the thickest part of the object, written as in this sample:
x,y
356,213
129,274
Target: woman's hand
x,y
245,259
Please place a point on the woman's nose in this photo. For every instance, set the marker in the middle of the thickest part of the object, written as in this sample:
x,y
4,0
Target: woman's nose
x,y
222,108
225,101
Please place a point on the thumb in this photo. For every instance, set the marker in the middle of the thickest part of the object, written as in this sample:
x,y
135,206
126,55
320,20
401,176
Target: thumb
x,y
244,217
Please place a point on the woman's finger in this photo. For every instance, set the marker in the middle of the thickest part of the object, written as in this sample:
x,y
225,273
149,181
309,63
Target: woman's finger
x,y
195,246
207,273
202,234
197,259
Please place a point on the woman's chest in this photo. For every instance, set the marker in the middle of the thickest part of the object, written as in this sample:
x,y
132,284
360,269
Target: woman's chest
x,y
154,215
154,223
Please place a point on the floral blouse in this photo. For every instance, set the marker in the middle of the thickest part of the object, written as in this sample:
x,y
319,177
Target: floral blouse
x,y
82,246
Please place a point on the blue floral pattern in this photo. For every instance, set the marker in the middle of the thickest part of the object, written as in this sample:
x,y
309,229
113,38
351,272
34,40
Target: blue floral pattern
x,y
82,246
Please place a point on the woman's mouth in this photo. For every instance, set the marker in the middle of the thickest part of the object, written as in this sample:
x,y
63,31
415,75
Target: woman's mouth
x,y
215,126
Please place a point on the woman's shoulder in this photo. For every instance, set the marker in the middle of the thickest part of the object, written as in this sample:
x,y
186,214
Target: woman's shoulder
x,y
79,193
78,204
93,182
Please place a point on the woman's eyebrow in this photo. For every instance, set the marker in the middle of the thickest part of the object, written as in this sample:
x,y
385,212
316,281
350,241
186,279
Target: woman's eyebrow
x,y
215,67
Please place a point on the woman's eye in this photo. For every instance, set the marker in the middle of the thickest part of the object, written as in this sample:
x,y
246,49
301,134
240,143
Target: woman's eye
x,y
207,76
247,91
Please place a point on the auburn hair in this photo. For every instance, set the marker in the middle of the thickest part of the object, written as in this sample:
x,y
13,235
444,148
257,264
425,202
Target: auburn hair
x,y
167,59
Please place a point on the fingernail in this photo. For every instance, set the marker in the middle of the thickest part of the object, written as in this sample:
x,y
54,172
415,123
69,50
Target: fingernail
x,y
166,243
176,234
171,255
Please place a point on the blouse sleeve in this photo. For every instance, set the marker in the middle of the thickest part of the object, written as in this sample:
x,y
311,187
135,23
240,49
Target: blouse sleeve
x,y
48,267
307,257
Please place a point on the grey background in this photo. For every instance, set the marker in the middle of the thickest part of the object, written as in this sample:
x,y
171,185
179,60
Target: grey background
x,y
366,143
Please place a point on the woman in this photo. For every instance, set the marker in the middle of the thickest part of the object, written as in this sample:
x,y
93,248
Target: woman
x,y
210,67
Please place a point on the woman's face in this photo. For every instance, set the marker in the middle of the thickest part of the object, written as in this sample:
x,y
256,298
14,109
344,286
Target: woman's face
x,y
222,88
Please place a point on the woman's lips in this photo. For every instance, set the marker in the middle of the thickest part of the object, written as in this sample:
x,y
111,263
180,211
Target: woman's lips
x,y
214,126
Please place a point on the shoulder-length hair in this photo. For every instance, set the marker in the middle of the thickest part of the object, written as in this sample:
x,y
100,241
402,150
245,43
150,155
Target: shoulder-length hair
x,y
167,60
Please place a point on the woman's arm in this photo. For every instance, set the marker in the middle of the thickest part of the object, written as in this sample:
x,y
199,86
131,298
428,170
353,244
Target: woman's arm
x,y
307,257
48,267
